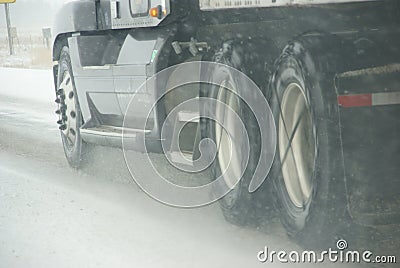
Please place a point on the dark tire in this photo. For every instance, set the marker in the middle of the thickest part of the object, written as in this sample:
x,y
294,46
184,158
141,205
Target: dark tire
x,y
238,206
70,113
308,174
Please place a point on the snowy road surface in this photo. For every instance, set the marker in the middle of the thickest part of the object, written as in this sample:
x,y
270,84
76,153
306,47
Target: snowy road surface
x,y
54,216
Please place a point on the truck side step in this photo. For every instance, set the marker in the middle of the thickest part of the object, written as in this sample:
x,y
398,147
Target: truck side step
x,y
112,131
188,116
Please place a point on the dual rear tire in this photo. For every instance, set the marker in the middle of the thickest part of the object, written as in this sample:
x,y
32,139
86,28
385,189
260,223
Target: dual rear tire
x,y
306,183
308,173
232,140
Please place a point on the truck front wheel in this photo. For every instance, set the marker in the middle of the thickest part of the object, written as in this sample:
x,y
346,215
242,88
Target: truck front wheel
x,y
70,117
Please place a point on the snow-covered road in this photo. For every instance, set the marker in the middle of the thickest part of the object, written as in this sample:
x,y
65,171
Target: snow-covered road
x,y
54,216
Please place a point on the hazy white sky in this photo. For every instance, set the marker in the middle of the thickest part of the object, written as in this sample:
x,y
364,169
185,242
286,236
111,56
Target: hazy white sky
x,y
30,15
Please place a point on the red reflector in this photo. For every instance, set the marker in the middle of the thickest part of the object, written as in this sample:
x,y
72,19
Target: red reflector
x,y
359,100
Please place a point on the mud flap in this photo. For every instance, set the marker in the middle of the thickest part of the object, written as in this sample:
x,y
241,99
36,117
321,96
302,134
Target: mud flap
x,y
369,102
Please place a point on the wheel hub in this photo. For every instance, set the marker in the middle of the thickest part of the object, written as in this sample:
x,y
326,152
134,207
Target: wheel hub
x,y
66,100
297,145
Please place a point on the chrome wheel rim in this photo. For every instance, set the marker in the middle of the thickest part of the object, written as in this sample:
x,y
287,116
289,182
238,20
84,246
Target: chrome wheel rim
x,y
67,107
297,145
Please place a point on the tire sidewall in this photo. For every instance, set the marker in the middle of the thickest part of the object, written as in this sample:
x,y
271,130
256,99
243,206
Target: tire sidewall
x,y
297,65
73,154
239,210
219,75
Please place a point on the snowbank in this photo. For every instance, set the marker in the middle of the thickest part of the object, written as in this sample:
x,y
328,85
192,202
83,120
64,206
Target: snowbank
x,y
36,85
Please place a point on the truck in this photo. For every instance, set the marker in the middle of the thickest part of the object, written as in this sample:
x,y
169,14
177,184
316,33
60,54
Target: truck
x,y
329,70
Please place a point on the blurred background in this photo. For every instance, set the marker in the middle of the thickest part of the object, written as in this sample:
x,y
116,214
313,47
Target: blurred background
x,y
31,22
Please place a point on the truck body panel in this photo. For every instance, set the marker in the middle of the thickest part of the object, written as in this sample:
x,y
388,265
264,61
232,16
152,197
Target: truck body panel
x,y
75,16
135,14
222,4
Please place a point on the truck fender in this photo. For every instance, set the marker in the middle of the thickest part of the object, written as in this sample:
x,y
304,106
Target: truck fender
x,y
75,16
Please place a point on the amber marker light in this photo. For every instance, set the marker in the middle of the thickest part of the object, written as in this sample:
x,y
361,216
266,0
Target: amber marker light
x,y
156,12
